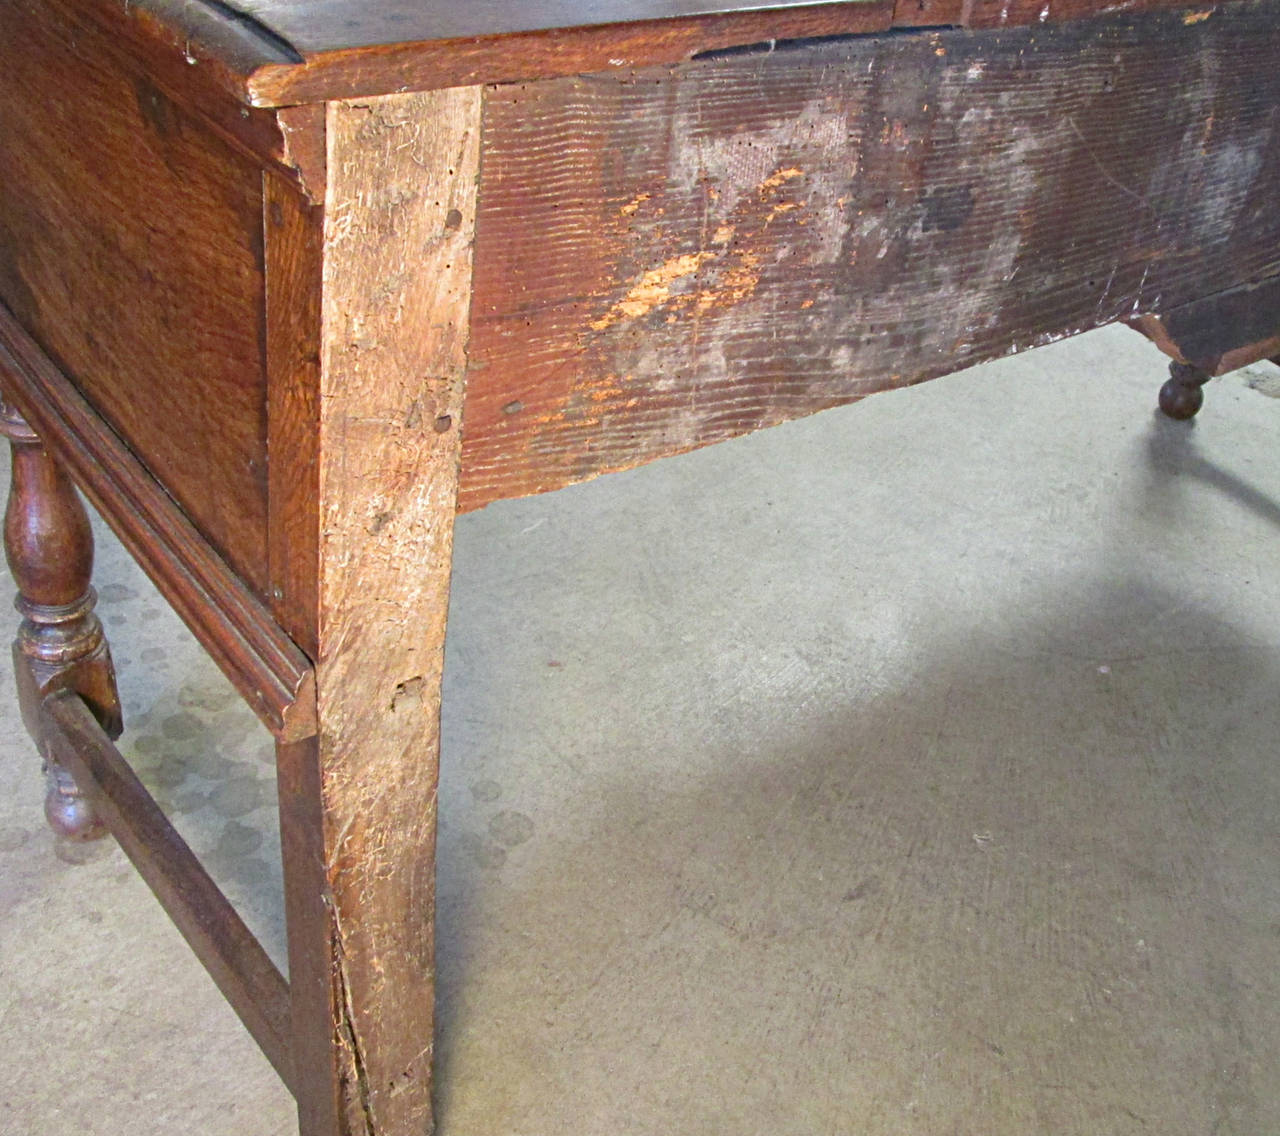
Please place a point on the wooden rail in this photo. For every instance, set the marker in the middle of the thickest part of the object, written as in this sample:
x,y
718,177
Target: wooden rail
x,y
234,958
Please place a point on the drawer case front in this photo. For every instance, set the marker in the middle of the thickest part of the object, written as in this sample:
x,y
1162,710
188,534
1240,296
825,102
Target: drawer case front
x,y
131,249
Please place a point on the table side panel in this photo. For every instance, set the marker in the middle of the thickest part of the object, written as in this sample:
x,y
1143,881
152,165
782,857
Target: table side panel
x,y
678,256
131,249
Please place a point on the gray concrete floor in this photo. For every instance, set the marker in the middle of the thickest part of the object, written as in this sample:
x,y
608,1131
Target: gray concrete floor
x,y
905,770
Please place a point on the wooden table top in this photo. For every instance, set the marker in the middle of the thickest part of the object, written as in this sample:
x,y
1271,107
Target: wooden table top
x,y
312,27
283,52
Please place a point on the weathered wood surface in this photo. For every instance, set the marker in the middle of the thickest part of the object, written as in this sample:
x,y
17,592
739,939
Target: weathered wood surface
x,y
347,49
234,958
313,27
266,666
358,806
670,259
130,248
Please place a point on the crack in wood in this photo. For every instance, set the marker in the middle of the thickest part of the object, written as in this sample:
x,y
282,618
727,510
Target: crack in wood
x,y
345,1028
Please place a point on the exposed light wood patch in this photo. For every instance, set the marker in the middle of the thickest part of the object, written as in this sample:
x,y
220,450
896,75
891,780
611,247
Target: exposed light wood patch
x,y
400,217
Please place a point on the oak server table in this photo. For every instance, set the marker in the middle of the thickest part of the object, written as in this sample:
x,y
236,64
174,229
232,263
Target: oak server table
x,y
289,283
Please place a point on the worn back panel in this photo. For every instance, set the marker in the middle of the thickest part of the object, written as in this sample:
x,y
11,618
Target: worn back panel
x,y
130,248
673,258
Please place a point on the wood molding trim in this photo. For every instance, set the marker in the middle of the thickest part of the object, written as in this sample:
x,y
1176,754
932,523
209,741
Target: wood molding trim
x,y
264,664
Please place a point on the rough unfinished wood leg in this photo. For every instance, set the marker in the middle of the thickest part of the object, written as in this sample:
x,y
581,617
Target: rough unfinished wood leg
x,y
358,802
1183,394
60,645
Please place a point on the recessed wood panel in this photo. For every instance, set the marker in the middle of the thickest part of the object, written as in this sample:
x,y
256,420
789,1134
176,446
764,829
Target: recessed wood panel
x,y
672,258
130,248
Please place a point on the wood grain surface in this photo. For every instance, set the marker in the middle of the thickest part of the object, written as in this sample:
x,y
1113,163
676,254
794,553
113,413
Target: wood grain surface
x,y
406,63
282,52
171,58
359,808
294,240
130,247
669,259
384,47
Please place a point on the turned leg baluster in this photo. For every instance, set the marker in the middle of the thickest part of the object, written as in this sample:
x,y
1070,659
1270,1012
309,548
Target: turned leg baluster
x,y
60,644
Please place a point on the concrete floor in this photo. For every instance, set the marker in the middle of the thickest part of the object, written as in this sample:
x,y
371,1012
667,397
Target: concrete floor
x,y
905,770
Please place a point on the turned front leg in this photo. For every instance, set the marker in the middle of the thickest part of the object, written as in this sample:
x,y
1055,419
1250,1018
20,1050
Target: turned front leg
x,y
60,644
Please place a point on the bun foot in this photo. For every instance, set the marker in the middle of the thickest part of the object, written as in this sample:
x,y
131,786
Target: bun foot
x,y
1183,394
68,811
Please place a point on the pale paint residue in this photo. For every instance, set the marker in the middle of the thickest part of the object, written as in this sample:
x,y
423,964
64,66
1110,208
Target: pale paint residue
x,y
780,177
779,209
735,285
729,172
652,289
959,296
732,278
633,206
1196,17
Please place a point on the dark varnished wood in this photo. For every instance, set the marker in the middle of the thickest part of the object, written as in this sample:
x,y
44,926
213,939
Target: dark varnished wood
x,y
668,260
271,673
235,960
1211,336
171,59
1183,392
434,62
130,248
390,45
60,645
1220,332
317,27
316,997
294,236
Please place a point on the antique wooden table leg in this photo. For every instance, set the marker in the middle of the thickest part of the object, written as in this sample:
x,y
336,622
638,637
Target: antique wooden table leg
x,y
60,644
358,800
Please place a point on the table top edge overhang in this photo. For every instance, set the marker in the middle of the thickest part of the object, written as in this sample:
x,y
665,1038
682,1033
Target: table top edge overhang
x,y
275,53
